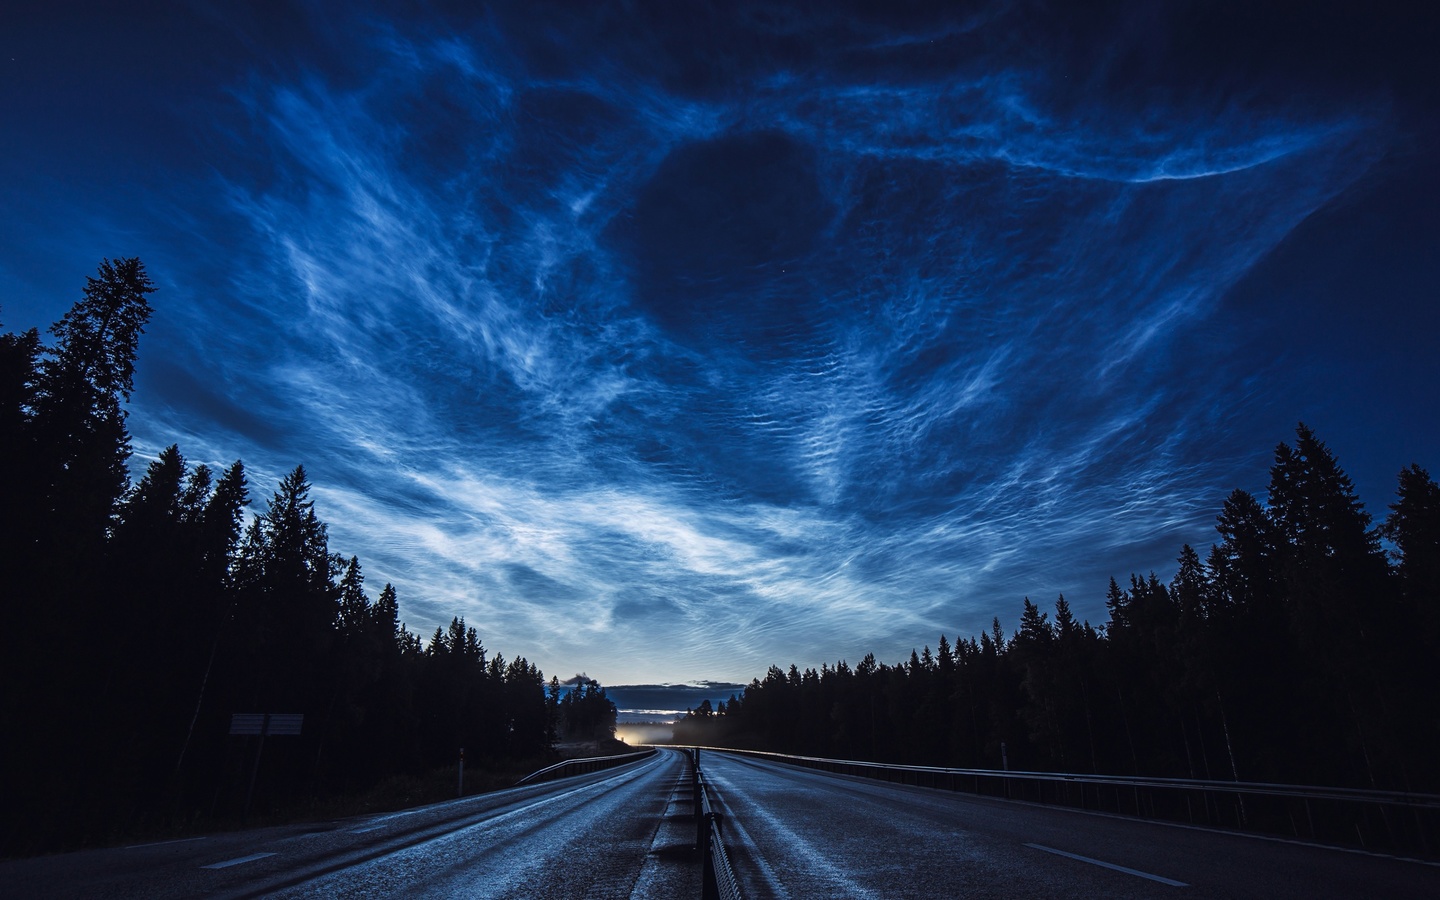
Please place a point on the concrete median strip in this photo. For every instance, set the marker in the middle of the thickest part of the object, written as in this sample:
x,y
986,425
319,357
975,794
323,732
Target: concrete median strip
x,y
1096,862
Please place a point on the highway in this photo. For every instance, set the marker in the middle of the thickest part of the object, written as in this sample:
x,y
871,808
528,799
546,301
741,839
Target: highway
x,y
794,832
790,832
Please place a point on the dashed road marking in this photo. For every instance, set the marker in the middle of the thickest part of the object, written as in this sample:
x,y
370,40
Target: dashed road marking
x,y
163,843
1097,862
235,862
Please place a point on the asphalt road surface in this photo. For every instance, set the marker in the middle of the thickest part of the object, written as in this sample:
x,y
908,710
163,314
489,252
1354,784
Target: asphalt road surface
x,y
791,832
794,832
623,832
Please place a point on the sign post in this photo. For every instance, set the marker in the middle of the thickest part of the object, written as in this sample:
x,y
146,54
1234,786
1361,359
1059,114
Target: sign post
x,y
263,724
460,791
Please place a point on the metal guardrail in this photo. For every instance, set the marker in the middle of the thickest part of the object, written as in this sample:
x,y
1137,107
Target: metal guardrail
x,y
718,878
581,766
1393,821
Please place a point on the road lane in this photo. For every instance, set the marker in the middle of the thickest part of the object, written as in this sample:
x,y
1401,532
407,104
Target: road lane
x,y
796,832
616,833
593,841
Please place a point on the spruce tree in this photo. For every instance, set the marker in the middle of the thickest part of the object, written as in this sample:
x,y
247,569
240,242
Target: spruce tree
x,y
1340,602
1414,527
287,601
80,415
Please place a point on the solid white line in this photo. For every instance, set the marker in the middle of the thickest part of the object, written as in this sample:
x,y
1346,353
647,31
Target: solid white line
x,y
235,862
472,798
1096,862
163,843
627,775
733,826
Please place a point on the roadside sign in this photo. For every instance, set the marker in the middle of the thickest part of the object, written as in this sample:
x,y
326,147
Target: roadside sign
x,y
266,723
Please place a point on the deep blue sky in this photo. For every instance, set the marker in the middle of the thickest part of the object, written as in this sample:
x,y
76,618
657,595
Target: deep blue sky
x,y
665,341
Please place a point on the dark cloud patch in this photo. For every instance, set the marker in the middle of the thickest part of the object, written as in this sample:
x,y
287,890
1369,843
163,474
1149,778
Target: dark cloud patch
x,y
1331,52
721,236
1208,55
538,587
644,608
559,129
209,400
448,124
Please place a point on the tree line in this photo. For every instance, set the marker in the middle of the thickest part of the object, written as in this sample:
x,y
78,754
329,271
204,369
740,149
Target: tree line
x,y
142,615
1299,650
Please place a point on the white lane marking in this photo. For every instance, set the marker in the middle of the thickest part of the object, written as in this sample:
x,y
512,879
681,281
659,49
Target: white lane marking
x,y
1097,862
163,843
817,864
607,783
386,819
732,825
235,862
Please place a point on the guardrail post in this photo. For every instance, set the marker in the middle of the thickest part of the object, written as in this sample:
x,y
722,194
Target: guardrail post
x,y
710,887
696,794
702,833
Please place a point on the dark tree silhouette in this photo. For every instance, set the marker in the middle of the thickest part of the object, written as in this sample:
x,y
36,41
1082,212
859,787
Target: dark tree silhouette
x,y
1294,653
585,713
144,620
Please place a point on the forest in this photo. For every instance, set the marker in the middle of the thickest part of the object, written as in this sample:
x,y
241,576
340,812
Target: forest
x,y
143,615
1300,650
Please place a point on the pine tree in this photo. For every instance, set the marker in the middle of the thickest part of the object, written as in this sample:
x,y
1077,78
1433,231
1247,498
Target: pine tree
x,y
1244,565
19,373
354,613
1117,603
1034,633
19,376
1314,507
1338,595
1414,527
1065,625
220,524
287,599
1188,588
385,617
65,456
80,415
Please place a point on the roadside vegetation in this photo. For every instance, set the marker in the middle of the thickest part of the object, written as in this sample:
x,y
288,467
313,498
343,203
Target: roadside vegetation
x,y
143,614
1300,649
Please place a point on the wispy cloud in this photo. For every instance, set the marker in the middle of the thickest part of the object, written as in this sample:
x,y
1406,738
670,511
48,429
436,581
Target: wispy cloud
x,y
509,313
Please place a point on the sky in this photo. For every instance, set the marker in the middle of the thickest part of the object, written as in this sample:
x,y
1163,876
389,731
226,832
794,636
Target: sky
x,y
666,341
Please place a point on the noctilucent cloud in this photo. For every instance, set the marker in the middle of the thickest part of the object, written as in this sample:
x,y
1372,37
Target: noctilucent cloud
x,y
666,341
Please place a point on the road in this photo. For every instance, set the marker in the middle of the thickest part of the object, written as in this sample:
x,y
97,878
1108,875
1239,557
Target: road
x,y
619,833
794,832
791,832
